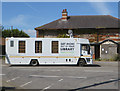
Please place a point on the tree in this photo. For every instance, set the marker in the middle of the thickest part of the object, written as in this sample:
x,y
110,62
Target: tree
x,y
13,33
63,36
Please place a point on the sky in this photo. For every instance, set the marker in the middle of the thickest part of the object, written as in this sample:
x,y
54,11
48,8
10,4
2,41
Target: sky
x,y
28,15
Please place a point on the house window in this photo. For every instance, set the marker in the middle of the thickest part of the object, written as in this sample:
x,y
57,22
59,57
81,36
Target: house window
x,y
38,46
21,46
12,43
54,46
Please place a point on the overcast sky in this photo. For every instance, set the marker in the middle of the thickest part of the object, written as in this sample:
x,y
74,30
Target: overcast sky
x,y
28,15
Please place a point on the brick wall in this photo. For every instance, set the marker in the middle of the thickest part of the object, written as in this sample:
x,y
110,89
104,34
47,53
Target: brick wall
x,y
78,34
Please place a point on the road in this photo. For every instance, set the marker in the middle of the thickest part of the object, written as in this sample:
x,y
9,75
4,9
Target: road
x,y
60,77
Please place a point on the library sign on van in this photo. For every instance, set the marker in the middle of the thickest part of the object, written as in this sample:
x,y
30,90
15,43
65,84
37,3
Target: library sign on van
x,y
67,47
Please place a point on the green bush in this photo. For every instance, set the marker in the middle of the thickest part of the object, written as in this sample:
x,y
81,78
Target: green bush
x,y
63,36
98,59
3,57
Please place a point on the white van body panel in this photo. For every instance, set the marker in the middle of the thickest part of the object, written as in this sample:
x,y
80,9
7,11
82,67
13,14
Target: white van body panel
x,y
46,57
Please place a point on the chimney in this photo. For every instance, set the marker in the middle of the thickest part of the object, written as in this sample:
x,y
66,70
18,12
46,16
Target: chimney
x,y
64,15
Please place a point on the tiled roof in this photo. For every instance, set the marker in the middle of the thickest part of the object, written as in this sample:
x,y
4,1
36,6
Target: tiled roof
x,y
77,22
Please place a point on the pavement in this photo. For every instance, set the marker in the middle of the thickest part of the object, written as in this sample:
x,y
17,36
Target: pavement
x,y
106,63
100,75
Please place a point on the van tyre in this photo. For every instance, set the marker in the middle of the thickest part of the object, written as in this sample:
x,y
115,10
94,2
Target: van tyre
x,y
34,63
81,62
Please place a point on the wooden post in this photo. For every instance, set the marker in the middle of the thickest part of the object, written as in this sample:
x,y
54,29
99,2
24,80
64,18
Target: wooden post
x,y
98,36
12,31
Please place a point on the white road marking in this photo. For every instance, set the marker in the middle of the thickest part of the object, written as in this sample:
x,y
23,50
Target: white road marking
x,y
51,85
12,79
60,80
54,70
2,74
47,87
112,79
26,84
43,76
75,77
57,76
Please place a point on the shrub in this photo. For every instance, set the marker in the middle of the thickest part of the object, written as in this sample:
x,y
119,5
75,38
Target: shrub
x,y
63,36
3,57
98,59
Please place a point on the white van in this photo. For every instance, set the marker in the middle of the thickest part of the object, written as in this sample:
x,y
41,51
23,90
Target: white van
x,y
48,51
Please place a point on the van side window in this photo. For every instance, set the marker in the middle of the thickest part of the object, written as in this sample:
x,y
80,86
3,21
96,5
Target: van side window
x,y
54,46
86,47
11,43
38,46
21,48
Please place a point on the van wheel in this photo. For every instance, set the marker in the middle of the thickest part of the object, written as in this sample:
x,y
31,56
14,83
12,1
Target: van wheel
x,y
81,62
34,62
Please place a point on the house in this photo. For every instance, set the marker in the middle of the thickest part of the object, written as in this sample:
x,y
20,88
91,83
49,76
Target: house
x,y
96,28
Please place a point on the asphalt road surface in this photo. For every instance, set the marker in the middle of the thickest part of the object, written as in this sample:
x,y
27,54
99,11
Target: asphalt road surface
x,y
101,76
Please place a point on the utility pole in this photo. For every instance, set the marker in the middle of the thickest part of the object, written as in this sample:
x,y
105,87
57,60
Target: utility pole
x,y
97,34
119,34
97,37
11,31
11,27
